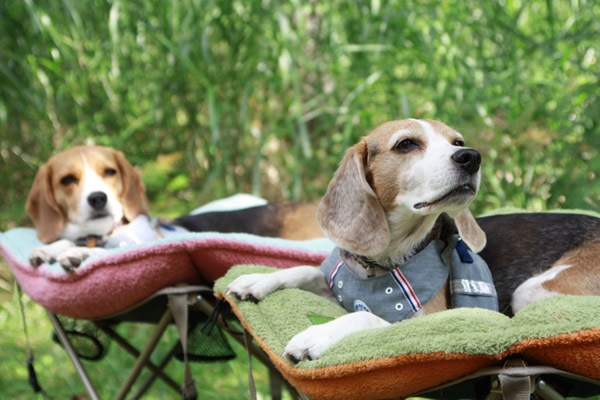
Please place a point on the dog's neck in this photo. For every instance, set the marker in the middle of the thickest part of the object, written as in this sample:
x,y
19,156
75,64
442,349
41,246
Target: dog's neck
x,y
90,235
408,243
408,231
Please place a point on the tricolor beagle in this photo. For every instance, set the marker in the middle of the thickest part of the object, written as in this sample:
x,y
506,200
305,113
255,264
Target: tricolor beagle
x,y
391,197
382,209
78,198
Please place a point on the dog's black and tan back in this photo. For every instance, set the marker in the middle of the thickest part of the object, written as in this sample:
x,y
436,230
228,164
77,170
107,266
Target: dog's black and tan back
x,y
520,246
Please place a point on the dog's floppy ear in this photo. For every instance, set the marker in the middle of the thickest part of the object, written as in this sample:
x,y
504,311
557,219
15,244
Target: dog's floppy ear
x,y
133,197
470,231
42,208
350,213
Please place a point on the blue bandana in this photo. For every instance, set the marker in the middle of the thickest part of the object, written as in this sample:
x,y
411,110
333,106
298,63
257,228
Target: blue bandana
x,y
404,290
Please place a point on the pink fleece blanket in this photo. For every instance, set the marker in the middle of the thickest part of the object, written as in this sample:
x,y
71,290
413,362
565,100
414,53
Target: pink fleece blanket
x,y
106,285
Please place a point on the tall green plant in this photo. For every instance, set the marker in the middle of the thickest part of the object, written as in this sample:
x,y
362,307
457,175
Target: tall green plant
x,y
264,96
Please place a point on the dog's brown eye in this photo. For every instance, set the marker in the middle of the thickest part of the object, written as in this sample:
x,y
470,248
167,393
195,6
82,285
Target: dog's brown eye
x,y
459,143
68,179
109,172
406,145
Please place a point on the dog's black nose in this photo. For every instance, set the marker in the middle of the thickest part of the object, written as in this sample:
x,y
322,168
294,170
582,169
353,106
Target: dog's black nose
x,y
97,200
469,159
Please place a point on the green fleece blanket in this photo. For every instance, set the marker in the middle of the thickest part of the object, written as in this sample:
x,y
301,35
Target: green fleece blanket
x,y
284,313
452,334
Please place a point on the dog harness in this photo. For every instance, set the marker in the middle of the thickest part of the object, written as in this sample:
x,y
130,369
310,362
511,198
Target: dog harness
x,y
404,290
141,230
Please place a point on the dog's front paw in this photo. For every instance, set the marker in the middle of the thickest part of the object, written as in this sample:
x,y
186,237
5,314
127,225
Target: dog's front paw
x,y
253,286
70,263
38,257
311,343
72,258
49,253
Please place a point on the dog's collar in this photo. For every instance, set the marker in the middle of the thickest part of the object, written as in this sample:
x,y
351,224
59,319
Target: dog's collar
x,y
89,241
370,266
437,232
97,240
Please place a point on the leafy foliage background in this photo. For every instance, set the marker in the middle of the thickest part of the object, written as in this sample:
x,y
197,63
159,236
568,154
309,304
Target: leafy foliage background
x,y
211,98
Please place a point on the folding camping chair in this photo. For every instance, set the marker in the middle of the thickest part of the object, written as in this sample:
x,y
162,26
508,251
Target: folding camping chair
x,y
127,285
515,379
187,307
549,350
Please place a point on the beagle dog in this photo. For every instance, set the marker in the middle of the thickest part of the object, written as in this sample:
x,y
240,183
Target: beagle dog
x,y
394,194
391,195
291,220
78,198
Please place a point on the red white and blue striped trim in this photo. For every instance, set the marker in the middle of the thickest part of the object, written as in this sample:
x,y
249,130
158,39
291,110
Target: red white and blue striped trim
x,y
334,272
408,291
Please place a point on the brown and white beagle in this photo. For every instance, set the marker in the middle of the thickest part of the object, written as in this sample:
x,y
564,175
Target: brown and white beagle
x,y
80,196
390,196
384,204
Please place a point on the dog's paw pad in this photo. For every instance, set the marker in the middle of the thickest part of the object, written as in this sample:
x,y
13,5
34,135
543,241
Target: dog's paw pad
x,y
74,261
66,264
35,261
296,358
70,263
39,257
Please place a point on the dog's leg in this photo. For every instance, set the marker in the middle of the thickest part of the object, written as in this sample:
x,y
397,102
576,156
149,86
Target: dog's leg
x,y
574,273
533,288
257,286
49,252
64,252
314,341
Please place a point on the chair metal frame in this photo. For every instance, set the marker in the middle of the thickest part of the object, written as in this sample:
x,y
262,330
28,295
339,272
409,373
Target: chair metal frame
x,y
197,302
513,380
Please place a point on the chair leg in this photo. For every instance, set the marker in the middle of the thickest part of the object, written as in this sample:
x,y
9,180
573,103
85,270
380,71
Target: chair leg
x,y
274,385
256,351
148,382
545,391
157,371
64,340
143,358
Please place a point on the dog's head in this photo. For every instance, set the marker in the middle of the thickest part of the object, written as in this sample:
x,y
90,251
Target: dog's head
x,y
85,190
391,187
